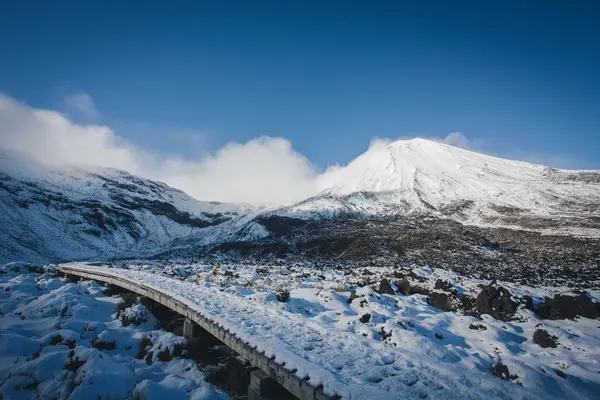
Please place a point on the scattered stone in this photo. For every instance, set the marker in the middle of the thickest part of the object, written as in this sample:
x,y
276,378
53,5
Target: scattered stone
x,y
497,302
560,373
406,288
501,371
102,345
445,286
352,297
528,301
468,301
385,334
167,355
56,339
365,318
439,336
385,287
74,363
143,351
544,339
565,306
441,301
283,295
478,327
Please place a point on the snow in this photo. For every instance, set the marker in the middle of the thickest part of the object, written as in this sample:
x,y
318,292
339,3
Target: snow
x,y
48,326
406,348
423,175
49,213
45,212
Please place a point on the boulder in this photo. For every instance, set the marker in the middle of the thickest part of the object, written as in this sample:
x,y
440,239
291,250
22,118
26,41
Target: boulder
x,y
445,286
468,302
385,287
478,327
497,302
407,288
565,306
365,318
441,301
544,339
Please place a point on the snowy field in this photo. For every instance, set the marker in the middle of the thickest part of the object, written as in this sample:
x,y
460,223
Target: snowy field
x,y
333,326
62,340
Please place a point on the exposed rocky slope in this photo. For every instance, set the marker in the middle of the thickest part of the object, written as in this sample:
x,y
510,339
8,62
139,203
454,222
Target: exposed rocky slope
x,y
414,202
55,214
424,203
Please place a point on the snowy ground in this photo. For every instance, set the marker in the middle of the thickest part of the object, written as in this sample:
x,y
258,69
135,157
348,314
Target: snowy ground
x,y
383,345
57,339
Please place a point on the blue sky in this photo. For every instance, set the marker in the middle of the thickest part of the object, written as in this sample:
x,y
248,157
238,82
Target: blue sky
x,y
521,78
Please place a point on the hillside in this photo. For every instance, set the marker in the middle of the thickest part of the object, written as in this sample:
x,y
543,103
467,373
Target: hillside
x,y
51,214
424,176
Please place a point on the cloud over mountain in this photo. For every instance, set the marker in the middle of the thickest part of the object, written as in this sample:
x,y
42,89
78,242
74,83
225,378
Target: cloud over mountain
x,y
262,170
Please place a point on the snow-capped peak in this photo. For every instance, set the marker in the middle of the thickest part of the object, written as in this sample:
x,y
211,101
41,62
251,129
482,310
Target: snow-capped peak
x,y
438,171
419,174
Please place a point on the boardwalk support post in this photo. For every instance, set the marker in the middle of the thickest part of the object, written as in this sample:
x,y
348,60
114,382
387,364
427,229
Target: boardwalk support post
x,y
261,385
189,329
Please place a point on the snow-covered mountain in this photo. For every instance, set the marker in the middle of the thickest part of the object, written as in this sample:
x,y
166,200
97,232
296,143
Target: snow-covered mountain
x,y
49,213
410,195
425,176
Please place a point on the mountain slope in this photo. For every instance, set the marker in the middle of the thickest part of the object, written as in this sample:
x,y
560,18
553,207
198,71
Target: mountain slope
x,y
424,176
49,213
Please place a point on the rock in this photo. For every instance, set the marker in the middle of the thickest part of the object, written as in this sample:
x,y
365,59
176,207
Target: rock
x,y
102,345
441,301
283,296
407,288
468,301
404,287
542,338
385,334
501,371
528,300
365,318
565,306
385,287
445,286
478,327
497,302
352,297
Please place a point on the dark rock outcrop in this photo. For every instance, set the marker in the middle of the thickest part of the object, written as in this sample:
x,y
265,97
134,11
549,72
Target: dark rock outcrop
x,y
445,286
501,371
565,306
442,301
407,288
478,327
544,339
385,287
497,302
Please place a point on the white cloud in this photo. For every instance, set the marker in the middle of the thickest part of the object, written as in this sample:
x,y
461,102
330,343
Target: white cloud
x,y
80,104
263,170
456,139
459,140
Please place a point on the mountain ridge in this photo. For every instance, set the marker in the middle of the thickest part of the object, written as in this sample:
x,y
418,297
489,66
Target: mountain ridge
x,y
55,213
